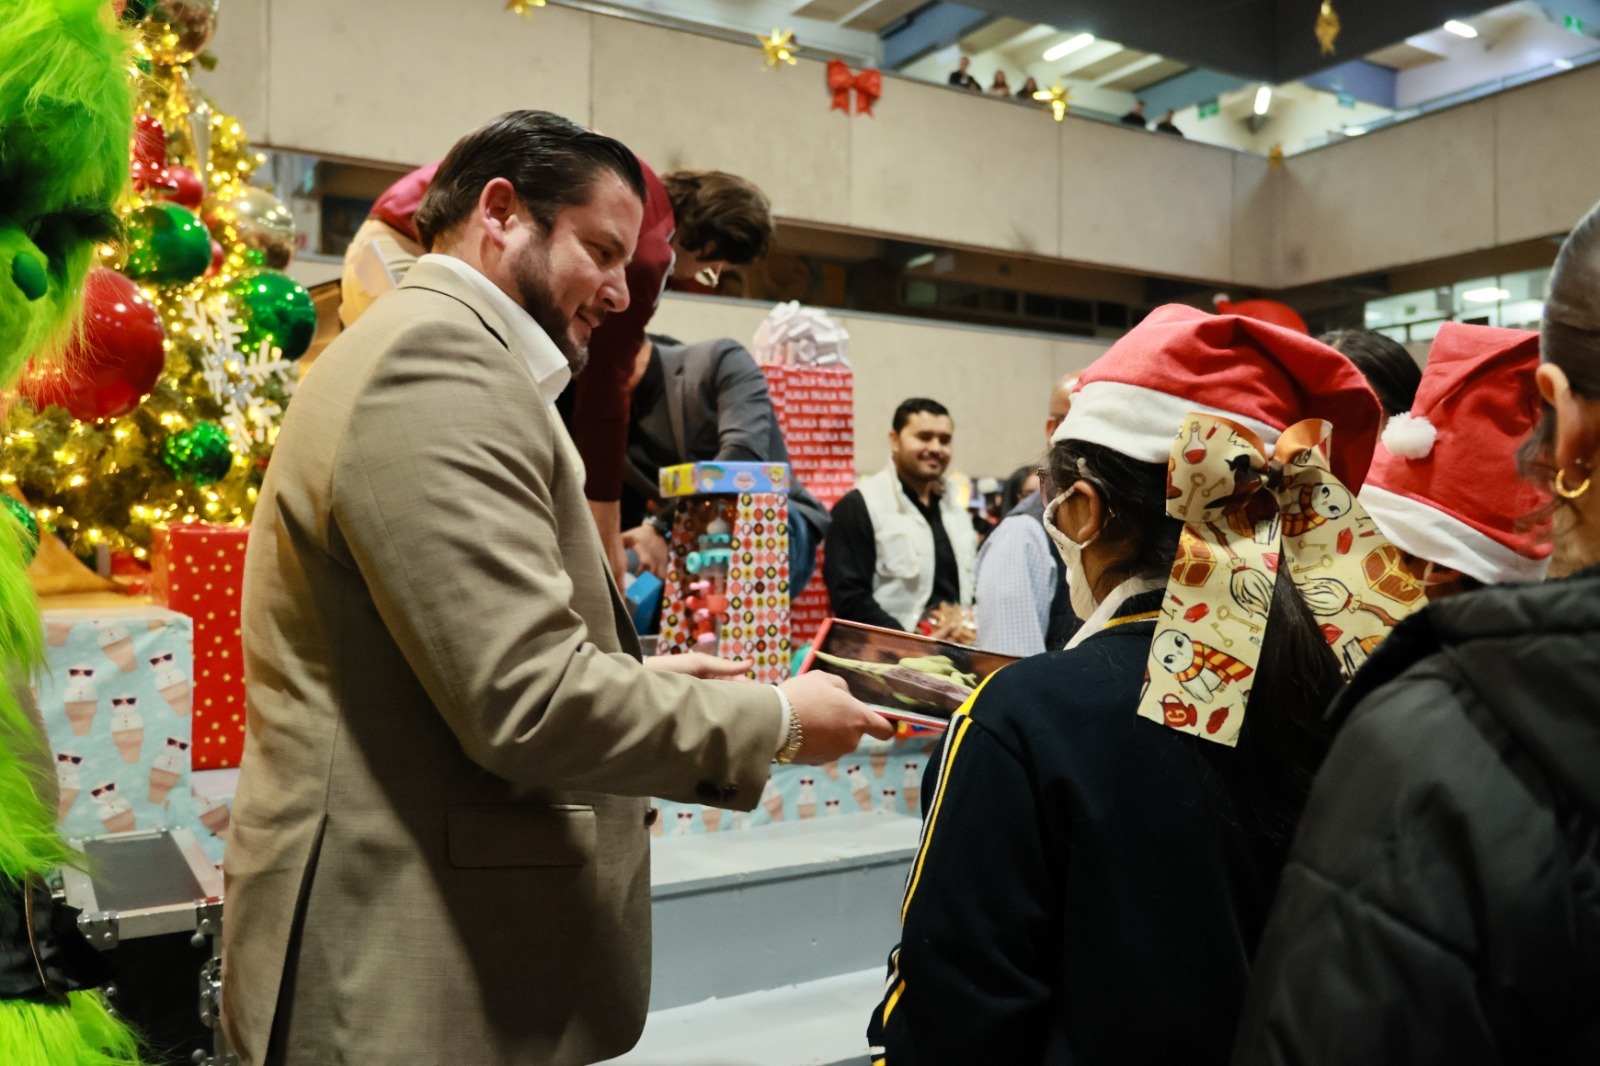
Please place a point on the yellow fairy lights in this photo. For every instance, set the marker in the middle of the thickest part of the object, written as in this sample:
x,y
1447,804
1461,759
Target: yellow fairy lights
x,y
780,48
103,483
1057,98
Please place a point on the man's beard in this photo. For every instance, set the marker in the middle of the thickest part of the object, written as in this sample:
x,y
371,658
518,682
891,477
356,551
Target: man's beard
x,y
533,291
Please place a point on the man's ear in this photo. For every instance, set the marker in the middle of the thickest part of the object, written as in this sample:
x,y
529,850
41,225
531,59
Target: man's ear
x,y
497,209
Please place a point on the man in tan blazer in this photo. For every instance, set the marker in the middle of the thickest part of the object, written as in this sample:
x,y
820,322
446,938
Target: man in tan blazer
x,y
439,851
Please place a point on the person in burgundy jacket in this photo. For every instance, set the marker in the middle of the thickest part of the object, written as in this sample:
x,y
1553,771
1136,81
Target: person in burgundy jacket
x,y
696,222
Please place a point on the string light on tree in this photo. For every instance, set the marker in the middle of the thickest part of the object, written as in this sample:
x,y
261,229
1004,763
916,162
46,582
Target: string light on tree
x,y
104,456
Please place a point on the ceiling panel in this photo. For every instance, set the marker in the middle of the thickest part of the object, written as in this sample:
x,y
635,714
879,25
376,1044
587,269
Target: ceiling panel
x,y
874,17
1145,77
1268,40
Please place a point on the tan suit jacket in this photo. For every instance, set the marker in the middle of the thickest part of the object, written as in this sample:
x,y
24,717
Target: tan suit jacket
x,y
439,852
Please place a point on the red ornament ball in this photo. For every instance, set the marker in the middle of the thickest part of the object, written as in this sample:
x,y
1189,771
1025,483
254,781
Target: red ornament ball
x,y
185,186
113,364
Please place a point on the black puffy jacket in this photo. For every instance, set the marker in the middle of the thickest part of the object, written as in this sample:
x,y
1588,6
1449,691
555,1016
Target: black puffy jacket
x,y
1442,899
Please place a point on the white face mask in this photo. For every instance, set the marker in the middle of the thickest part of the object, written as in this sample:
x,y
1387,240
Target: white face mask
x,y
1078,590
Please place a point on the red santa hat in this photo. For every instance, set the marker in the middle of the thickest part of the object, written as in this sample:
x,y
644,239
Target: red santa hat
x,y
1444,483
1180,360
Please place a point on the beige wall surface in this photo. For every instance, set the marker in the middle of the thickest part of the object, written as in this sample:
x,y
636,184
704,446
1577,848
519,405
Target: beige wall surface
x,y
996,382
1146,202
360,79
356,79
1413,192
1547,156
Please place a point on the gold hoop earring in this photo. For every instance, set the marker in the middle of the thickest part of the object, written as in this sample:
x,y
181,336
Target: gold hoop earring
x,y
1570,494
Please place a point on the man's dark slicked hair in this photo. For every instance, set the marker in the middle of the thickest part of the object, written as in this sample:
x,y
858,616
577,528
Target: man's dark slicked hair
x,y
550,161
918,405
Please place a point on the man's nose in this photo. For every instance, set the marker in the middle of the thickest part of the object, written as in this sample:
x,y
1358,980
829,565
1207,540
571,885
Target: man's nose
x,y
614,292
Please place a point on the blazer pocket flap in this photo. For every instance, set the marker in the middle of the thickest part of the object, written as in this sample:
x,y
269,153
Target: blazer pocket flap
x,y
498,836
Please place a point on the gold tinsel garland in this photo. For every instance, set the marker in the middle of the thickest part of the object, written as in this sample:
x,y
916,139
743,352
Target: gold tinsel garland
x,y
102,483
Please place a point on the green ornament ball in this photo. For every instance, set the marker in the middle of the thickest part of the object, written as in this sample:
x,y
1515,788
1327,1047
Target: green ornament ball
x,y
30,525
167,245
200,454
275,308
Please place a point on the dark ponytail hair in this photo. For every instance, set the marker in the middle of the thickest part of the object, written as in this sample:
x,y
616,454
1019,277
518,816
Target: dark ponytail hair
x,y
1284,738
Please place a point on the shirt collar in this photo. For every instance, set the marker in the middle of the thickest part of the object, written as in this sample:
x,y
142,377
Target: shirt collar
x,y
550,369
1106,613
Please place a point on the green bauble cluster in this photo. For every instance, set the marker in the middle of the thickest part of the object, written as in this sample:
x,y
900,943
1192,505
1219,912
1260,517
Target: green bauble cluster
x,y
274,308
200,454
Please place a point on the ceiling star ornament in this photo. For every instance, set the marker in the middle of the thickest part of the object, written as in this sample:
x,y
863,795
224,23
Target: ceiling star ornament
x,y
1058,99
524,8
1275,157
780,48
1327,27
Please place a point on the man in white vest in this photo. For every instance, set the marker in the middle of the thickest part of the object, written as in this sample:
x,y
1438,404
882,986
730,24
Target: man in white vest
x,y
901,545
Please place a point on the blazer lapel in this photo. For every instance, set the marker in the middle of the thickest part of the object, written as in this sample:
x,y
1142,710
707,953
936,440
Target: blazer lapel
x,y
677,389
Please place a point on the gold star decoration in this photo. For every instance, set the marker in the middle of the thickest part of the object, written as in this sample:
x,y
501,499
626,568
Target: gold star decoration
x,y
1057,98
1275,157
780,48
523,8
1327,27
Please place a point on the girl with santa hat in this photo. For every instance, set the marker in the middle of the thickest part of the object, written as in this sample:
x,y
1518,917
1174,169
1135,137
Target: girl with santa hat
x,y
1105,826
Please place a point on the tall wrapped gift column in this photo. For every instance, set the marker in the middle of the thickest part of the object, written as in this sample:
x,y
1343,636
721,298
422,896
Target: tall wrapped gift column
x,y
198,571
802,353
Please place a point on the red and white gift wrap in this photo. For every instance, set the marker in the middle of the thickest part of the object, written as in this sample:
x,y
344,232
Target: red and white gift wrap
x,y
815,406
198,570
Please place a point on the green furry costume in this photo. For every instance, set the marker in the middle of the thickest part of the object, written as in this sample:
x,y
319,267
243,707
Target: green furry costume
x,y
65,118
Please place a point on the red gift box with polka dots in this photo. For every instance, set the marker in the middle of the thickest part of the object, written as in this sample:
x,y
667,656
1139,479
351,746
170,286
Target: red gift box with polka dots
x,y
198,569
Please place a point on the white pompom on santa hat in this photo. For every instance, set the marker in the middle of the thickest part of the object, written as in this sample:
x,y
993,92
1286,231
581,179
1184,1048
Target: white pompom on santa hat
x,y
1444,484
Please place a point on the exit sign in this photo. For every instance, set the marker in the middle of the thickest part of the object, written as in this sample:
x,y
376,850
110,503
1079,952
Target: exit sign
x,y
1347,100
1573,23
1208,108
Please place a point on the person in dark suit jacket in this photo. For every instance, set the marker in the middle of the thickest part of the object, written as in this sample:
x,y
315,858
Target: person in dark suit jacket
x,y
705,402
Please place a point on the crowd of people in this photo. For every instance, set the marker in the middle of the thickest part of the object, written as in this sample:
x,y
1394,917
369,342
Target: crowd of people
x,y
963,78
1299,762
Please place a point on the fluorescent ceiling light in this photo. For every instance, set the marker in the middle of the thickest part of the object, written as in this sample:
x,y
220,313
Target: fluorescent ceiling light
x,y
1374,316
920,261
1263,99
1485,296
1461,29
1069,46
1561,64
1354,131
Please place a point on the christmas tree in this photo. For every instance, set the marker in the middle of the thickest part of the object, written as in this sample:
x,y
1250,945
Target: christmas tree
x,y
166,406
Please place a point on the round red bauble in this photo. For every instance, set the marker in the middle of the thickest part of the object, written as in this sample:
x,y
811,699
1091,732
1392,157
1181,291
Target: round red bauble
x,y
115,361
185,187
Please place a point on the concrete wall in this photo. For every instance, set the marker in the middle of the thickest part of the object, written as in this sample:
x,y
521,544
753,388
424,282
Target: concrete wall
x,y
1516,166
938,165
996,382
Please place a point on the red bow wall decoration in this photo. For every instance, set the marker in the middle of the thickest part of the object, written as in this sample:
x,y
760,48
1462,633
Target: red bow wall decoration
x,y
868,86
